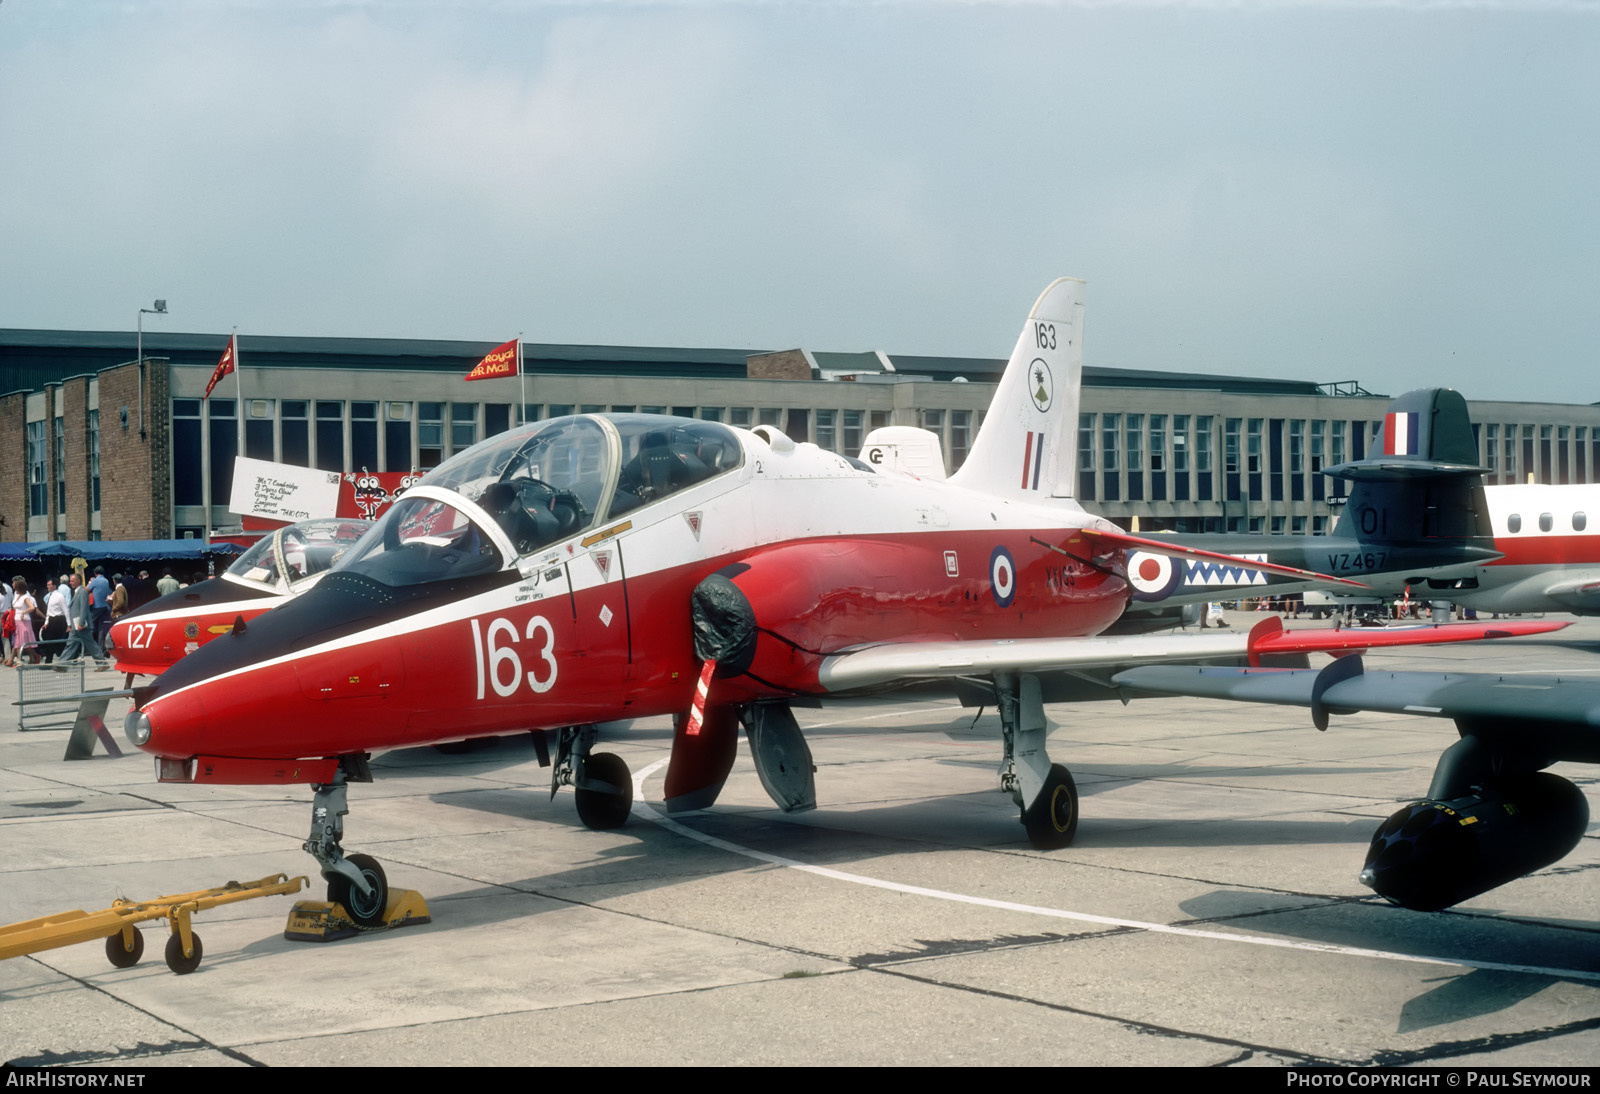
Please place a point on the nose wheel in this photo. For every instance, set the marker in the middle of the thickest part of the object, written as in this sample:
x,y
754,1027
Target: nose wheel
x,y
366,908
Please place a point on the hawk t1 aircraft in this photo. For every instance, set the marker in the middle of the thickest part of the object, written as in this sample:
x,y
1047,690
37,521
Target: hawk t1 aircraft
x,y
1492,813
282,564
602,567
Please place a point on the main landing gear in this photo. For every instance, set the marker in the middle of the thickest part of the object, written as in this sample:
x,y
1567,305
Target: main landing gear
x,y
602,785
1042,790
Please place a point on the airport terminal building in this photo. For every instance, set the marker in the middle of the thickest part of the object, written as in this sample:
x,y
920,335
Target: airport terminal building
x,y
119,448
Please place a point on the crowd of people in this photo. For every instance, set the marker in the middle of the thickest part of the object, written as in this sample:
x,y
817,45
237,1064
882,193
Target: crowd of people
x,y
71,617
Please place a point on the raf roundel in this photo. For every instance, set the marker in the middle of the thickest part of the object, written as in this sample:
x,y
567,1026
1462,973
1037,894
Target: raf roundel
x,y
1002,577
1153,577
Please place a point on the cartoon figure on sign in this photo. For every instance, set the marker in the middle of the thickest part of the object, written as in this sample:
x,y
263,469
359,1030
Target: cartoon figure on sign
x,y
370,494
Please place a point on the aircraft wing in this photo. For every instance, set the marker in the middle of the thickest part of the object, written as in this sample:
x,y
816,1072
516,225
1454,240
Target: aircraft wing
x,y
1492,812
1578,592
1435,694
875,666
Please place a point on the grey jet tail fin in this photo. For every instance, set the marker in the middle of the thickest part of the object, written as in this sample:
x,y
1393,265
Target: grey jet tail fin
x,y
1422,479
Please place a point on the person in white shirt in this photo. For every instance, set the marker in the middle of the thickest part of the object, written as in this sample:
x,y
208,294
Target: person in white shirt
x,y
60,596
54,635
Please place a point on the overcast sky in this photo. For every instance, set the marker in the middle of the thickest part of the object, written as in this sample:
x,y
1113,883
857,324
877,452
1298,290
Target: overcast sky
x,y
1402,194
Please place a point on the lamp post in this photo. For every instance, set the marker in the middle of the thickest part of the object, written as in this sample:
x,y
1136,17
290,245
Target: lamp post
x,y
159,309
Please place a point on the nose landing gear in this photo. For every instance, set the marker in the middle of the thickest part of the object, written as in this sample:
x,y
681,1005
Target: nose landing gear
x,y
359,897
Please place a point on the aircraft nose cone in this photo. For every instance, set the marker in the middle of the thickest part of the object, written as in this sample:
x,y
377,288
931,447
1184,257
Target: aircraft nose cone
x,y
137,728
168,731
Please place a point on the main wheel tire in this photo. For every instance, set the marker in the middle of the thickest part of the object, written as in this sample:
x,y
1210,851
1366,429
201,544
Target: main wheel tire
x,y
597,808
366,910
176,961
1052,820
122,957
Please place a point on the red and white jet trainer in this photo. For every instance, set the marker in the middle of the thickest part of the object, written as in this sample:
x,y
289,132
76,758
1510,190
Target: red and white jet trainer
x,y
282,564
603,567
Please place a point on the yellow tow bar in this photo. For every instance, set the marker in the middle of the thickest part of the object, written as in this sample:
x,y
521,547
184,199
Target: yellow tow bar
x,y
124,940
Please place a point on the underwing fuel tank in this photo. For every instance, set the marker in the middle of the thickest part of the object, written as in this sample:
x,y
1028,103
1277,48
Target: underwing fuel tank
x,y
1433,854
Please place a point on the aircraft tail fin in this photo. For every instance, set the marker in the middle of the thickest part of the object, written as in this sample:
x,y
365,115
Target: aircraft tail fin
x,y
1421,480
1425,433
1026,446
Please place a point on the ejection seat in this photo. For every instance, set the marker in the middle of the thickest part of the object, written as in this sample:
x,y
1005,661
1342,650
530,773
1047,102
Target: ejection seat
x,y
646,477
527,527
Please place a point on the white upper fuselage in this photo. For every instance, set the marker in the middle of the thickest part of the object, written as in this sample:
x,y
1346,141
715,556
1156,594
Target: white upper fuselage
x,y
1550,537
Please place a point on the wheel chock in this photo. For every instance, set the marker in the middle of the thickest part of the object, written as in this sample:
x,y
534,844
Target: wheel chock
x,y
327,921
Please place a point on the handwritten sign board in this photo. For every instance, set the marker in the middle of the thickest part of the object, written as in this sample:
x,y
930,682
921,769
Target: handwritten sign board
x,y
282,491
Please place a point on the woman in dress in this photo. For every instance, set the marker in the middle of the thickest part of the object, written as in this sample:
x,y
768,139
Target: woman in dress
x,y
22,609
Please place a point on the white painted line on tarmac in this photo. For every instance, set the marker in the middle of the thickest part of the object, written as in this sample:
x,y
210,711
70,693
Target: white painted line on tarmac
x,y
651,814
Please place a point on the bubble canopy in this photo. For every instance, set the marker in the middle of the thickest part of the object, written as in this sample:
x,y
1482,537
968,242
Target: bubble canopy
x,y
286,557
539,484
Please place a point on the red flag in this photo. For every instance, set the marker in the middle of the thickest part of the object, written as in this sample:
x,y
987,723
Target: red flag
x,y
498,362
230,357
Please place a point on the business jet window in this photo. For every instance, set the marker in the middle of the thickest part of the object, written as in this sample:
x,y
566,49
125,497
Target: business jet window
x,y
1514,523
661,456
1546,522
1579,522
